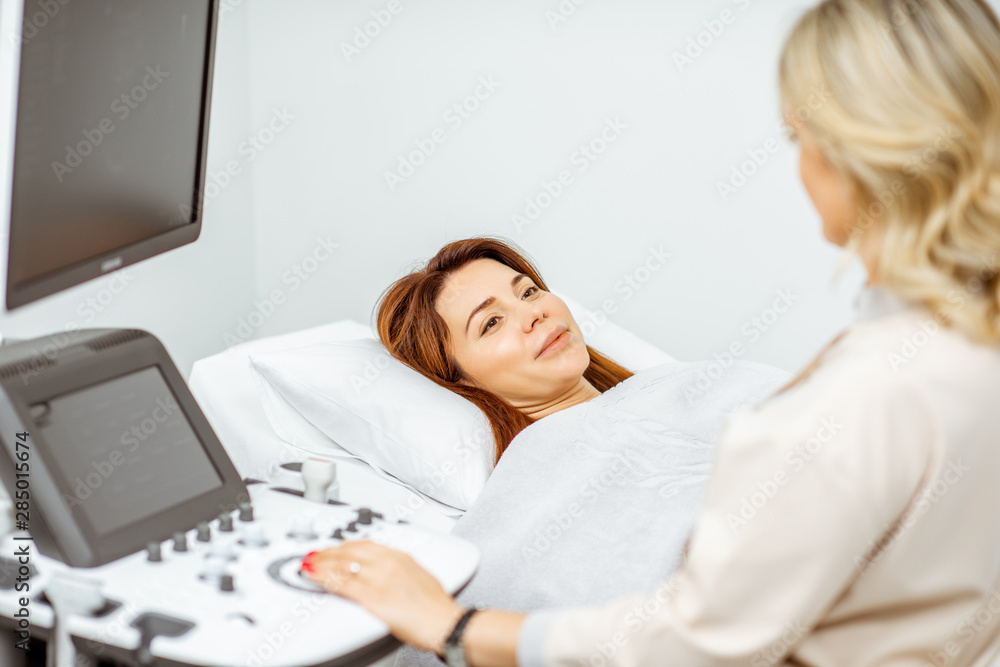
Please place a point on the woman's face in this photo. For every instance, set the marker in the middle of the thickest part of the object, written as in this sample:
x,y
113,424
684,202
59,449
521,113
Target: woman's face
x,y
509,336
828,190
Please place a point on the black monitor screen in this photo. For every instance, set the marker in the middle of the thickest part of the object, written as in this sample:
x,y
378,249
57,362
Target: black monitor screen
x,y
110,126
124,449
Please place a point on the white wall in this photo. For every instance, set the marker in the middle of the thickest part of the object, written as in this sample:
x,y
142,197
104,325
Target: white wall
x,y
322,173
655,186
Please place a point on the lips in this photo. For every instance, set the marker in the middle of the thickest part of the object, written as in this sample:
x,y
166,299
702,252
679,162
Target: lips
x,y
551,339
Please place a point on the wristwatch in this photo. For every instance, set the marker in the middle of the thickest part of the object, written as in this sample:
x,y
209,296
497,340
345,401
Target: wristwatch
x,y
454,652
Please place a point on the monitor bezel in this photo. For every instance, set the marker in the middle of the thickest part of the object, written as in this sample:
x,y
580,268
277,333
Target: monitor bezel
x,y
16,296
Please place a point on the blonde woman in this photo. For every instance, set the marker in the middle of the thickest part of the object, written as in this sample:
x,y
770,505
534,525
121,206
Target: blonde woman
x,y
852,518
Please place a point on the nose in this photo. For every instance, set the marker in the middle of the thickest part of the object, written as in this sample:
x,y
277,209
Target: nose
x,y
534,313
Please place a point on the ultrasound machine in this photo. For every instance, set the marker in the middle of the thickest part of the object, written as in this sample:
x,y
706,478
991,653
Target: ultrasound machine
x,y
135,541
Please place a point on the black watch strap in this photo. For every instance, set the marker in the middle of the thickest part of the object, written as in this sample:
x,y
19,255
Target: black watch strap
x,y
454,653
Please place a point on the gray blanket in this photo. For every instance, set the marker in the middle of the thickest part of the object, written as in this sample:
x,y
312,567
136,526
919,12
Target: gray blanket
x,y
598,500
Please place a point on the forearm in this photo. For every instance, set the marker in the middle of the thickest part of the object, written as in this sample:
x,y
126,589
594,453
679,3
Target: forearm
x,y
491,638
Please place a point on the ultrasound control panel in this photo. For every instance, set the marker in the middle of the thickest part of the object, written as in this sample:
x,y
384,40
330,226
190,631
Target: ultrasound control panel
x,y
137,541
230,591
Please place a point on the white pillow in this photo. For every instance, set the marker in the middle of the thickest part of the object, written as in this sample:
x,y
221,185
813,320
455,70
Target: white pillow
x,y
382,411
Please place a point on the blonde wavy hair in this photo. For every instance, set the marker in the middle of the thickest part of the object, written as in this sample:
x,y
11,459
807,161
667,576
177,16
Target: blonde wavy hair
x,y
903,99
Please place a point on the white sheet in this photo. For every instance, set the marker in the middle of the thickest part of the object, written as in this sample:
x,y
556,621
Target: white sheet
x,y
597,501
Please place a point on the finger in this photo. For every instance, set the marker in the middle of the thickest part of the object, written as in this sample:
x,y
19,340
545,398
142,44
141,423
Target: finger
x,y
329,579
337,562
364,552
361,550
340,581
358,549
325,563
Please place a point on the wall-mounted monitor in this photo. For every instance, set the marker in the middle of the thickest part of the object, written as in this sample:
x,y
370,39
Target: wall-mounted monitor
x,y
104,108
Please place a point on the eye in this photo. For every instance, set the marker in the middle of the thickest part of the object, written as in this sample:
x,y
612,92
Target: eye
x,y
488,325
491,322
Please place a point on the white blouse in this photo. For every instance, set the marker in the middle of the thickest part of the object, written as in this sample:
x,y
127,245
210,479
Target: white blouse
x,y
851,520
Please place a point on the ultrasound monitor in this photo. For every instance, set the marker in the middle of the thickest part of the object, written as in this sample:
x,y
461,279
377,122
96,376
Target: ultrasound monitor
x,y
104,441
104,112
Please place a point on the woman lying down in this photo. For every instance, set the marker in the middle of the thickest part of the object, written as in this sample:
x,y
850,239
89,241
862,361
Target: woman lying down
x,y
599,471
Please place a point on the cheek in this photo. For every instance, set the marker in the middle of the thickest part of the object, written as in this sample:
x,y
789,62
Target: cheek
x,y
487,359
828,195
560,311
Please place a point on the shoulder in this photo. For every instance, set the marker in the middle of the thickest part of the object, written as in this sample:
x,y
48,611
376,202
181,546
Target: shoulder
x,y
872,438
860,414
909,359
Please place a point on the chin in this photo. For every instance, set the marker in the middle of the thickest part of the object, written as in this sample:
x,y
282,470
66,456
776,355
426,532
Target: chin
x,y
836,236
571,361
581,357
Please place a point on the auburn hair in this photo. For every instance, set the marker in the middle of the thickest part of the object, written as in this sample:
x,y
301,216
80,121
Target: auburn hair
x,y
413,331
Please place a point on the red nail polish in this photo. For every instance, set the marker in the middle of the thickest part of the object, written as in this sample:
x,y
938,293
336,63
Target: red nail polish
x,y
308,567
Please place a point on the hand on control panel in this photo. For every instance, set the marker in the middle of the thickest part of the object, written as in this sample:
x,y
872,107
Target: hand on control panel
x,y
248,564
392,586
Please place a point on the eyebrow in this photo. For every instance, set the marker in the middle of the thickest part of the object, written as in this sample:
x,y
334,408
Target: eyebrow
x,y
486,304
